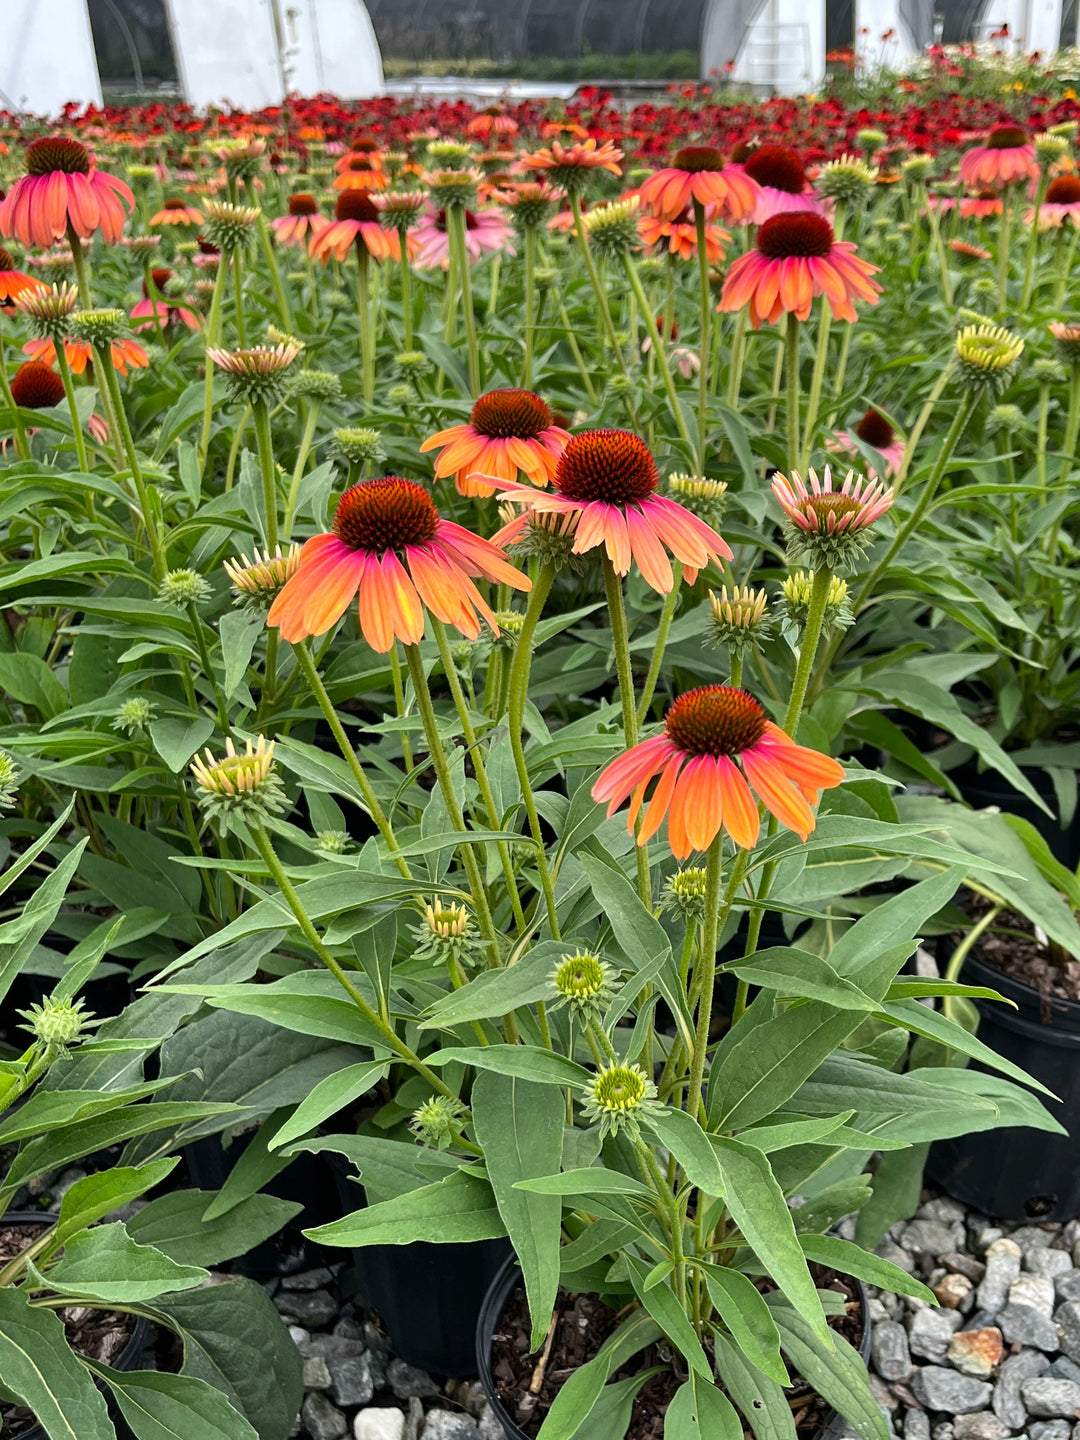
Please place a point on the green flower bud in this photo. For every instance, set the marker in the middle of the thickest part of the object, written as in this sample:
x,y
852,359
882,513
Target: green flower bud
x,y
183,588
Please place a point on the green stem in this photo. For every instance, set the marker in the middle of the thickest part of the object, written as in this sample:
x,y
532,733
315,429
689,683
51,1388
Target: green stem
x,y
103,361
82,275
399,703
284,309
599,289
493,816
821,359
213,336
1040,441
208,669
939,247
1004,231
326,705
620,639
314,407
1068,454
667,614
791,360
238,292
268,471
530,304
738,357
1033,238
517,698
659,350
363,308
438,758
815,617
455,219
69,390
311,935
22,445
406,287
705,972
962,951
706,320
1066,269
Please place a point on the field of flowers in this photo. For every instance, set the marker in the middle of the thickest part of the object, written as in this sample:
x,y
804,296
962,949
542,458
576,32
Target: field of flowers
x,y
512,620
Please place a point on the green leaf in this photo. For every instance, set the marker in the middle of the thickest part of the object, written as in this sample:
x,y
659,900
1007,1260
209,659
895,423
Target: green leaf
x,y
758,1207
662,1305
27,679
837,1372
681,1134
239,632
38,1367
760,1399
494,993
790,1131
52,1110
334,1093
595,1180
106,1264
849,1259
19,937
459,1208
388,1167
749,1320
527,1062
581,1391
255,1168
174,1224
176,740
609,1416
699,1411
99,1194
234,1340
900,918
160,1406
309,1003
519,1127
798,972
921,1020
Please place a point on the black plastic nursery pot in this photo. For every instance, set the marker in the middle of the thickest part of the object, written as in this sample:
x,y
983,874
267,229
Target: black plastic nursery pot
x,y
1016,1173
130,1358
509,1276
989,788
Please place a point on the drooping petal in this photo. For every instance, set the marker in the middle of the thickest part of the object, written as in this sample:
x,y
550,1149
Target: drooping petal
x,y
781,798
741,819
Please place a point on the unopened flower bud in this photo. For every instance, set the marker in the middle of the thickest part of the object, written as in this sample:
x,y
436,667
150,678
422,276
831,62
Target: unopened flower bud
x,y
618,1097
183,588
686,891
239,786
987,356
134,715
738,619
584,983
56,1023
437,1121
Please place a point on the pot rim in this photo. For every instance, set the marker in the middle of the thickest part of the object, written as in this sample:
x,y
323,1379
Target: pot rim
x,y
496,1298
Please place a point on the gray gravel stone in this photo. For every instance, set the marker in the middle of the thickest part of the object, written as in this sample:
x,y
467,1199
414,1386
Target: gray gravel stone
x,y
1034,1290
316,1373
490,1427
889,1350
1065,1369
314,1310
333,1346
889,1250
983,1425
308,1279
299,1337
877,1312
1024,1325
443,1425
1049,1430
1002,1268
930,1331
942,1209
1050,1263
351,1329
959,1263
1076,1252
322,1420
943,1430
916,1425
940,1389
414,1420
407,1382
351,1381
932,1237
1032,1237
1067,1317
1051,1399
1067,1284
884,1398
1007,1404
379,1423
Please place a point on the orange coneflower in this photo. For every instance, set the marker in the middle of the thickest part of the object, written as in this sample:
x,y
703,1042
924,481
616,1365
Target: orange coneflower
x,y
177,212
390,544
508,431
492,121
125,353
986,202
701,790
360,172
796,258
63,189
698,172
605,484
13,282
1006,156
681,236
568,166
355,220
968,251
1061,203
303,220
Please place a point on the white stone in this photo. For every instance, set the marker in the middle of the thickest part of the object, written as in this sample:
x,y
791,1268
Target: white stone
x,y
1034,1290
378,1424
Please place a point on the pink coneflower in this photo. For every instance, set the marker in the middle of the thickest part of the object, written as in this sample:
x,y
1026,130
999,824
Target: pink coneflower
x,y
874,430
605,484
1006,157
796,258
820,509
177,212
508,431
486,231
161,314
303,221
701,790
781,179
698,172
390,544
62,188
981,205
1062,202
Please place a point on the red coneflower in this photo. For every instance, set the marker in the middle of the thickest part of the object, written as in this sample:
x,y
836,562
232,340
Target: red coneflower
x,y
698,172
605,484
874,430
1061,203
390,544
780,176
13,282
125,353
701,790
62,188
508,431
1006,156
356,220
177,212
303,219
796,258
34,386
